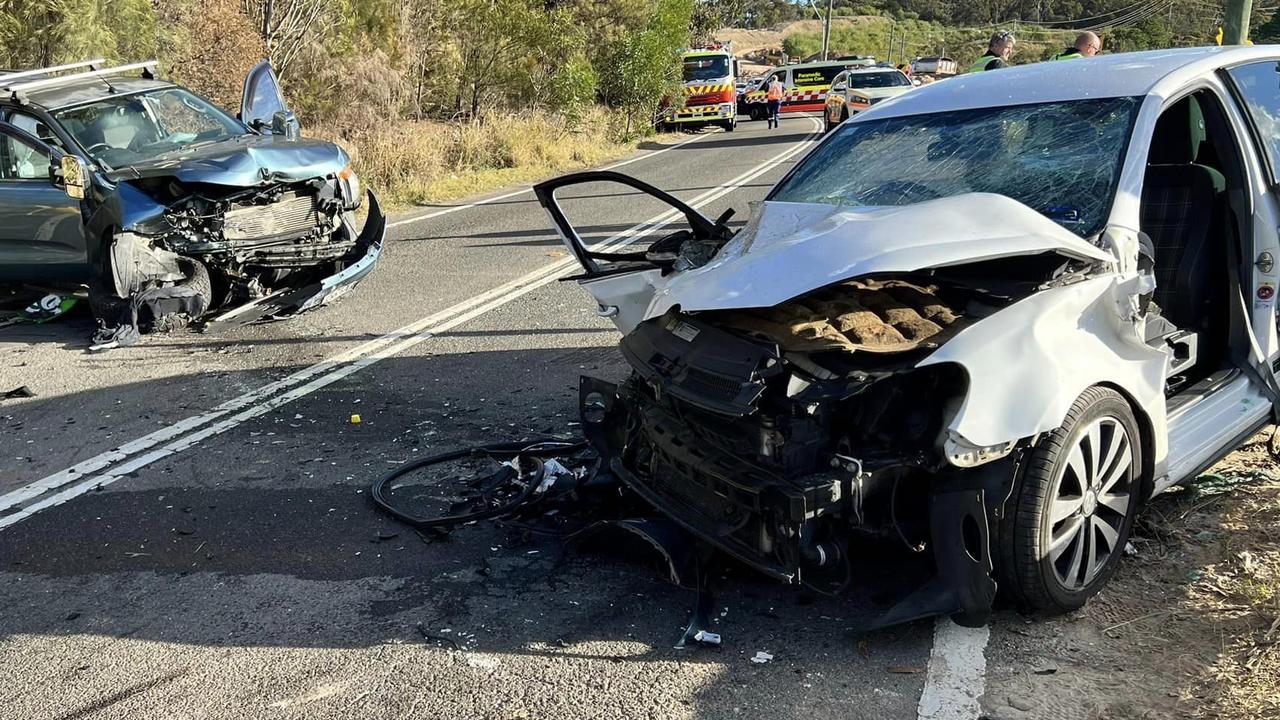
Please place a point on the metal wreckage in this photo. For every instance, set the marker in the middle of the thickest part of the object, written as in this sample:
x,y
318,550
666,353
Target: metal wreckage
x,y
805,427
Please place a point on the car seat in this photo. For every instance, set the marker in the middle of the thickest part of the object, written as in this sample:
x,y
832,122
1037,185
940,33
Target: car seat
x,y
1183,211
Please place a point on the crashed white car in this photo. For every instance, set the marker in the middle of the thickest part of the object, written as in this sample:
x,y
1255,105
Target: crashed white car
x,y
982,323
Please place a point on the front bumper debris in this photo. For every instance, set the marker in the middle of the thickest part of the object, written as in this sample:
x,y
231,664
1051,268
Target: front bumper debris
x,y
288,302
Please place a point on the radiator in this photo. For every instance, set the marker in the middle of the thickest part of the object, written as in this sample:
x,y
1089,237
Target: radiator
x,y
295,214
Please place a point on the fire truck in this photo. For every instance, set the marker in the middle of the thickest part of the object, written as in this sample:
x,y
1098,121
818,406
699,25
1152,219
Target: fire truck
x,y
710,94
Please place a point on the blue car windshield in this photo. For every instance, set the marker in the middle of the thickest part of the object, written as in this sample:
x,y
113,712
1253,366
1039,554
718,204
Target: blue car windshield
x,y
1061,159
121,131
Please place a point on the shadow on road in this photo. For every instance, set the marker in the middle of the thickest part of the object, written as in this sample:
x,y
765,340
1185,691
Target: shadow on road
x,y
264,537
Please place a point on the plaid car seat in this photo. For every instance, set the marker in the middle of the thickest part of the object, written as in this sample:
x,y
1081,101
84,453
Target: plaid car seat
x,y
1183,211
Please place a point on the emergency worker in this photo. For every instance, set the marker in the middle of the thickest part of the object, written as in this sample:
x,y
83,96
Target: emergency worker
x,y
1087,44
773,96
997,55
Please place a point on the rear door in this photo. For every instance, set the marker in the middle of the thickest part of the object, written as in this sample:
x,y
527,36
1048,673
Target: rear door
x,y
41,227
262,100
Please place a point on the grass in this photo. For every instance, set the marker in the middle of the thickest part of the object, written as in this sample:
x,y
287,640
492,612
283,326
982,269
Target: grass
x,y
415,162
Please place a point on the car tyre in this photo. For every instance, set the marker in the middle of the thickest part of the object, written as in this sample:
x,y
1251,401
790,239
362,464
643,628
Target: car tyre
x,y
730,125
1070,515
198,280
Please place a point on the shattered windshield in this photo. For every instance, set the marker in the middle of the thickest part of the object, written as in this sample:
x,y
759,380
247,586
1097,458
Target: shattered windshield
x,y
121,131
1061,159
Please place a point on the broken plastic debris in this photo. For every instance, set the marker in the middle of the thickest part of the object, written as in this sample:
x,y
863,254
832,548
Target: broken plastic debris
x,y
21,391
704,636
1129,549
761,657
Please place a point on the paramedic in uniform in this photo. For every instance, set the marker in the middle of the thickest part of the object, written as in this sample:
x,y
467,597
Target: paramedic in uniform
x,y
773,95
1087,45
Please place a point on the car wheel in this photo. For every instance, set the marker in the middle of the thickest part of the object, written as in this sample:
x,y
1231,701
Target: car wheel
x,y
198,280
1072,510
757,114
730,125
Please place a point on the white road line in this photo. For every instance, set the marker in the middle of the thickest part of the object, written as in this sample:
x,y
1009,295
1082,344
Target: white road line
x,y
486,201
957,673
333,370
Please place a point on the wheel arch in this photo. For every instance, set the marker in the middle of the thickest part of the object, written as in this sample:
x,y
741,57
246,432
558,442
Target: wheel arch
x,y
1146,438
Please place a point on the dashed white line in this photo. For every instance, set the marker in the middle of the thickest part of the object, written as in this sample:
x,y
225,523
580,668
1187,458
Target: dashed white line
x,y
957,673
88,475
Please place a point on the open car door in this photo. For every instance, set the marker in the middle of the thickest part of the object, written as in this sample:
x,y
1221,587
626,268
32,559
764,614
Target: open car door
x,y
262,105
620,272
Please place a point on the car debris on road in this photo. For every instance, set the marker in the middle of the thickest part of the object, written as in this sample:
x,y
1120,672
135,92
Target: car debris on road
x,y
166,207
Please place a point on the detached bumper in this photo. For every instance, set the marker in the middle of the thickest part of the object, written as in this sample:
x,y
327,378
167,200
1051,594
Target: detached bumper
x,y
288,302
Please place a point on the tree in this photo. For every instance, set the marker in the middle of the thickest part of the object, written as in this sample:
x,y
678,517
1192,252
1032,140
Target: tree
x,y
645,67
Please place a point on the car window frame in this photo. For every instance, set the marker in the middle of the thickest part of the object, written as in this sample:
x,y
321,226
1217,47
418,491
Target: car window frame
x,y
55,155
1261,146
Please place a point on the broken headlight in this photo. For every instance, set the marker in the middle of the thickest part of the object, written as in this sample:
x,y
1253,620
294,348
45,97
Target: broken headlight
x,y
349,185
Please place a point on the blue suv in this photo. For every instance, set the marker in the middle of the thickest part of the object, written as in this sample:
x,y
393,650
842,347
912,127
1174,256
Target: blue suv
x,y
167,208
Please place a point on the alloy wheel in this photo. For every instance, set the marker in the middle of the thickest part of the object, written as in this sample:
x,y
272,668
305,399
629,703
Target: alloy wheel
x,y
1090,501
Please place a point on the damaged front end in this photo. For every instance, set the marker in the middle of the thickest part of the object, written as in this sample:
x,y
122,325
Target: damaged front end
x,y
260,252
785,413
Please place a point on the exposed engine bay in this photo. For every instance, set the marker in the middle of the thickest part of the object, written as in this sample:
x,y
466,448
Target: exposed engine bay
x,y
262,252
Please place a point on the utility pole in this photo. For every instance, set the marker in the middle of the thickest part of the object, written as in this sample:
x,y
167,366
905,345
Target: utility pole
x,y
826,31
1236,22
889,51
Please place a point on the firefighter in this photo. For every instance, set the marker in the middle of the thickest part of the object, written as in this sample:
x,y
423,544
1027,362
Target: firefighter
x,y
998,52
1087,45
773,95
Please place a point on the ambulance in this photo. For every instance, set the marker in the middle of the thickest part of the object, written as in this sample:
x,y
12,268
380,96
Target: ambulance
x,y
806,86
710,92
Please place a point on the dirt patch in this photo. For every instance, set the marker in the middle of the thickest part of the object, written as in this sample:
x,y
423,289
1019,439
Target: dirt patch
x,y
1189,627
857,315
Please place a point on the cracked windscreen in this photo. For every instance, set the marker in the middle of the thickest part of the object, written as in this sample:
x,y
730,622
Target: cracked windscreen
x,y
1061,159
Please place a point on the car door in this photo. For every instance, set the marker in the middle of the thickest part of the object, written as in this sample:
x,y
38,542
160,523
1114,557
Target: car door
x,y
41,227
621,272
262,104
1256,86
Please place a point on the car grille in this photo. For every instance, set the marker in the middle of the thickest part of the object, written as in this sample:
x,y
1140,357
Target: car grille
x,y
294,215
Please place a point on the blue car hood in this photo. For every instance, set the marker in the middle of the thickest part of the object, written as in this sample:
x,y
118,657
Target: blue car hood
x,y
245,161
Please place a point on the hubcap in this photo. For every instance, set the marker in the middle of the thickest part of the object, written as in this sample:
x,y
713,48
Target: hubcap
x,y
1090,500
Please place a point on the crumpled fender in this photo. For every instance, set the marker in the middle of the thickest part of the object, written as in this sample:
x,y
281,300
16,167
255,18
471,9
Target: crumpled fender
x,y
1030,361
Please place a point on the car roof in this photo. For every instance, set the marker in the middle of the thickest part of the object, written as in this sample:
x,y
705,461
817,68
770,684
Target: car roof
x,y
818,64
872,70
1152,72
90,90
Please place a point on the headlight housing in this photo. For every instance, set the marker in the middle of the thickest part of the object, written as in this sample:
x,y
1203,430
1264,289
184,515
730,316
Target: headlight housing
x,y
349,182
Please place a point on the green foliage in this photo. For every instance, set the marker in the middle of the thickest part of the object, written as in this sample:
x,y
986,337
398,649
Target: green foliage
x,y
645,66
37,33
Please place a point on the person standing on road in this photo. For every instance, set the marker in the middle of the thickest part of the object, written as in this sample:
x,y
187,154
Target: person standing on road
x,y
998,52
773,96
1087,45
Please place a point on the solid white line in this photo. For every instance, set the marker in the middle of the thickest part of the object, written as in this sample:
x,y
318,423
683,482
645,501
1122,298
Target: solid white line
x,y
486,201
359,358
957,673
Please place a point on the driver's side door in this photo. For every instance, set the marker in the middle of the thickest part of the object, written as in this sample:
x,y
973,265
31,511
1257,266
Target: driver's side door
x,y
262,105
41,227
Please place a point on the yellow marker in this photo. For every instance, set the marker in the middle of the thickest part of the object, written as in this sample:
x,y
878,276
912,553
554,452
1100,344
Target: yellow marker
x,y
355,419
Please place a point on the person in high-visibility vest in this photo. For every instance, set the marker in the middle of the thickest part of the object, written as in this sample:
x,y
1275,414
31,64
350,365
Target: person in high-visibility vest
x,y
773,95
1087,44
997,55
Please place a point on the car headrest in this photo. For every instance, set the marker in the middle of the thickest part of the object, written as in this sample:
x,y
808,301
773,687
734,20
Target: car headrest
x,y
1179,134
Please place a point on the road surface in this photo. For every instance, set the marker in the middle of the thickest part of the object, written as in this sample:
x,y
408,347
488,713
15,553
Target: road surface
x,y
184,530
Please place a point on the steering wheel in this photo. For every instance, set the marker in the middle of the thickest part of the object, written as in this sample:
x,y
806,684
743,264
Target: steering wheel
x,y
94,146
899,192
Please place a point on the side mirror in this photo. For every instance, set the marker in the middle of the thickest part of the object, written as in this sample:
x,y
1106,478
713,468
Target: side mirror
x,y
75,176
839,88
285,123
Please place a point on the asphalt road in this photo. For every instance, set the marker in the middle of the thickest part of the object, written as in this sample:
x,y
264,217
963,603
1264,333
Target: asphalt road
x,y
195,540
